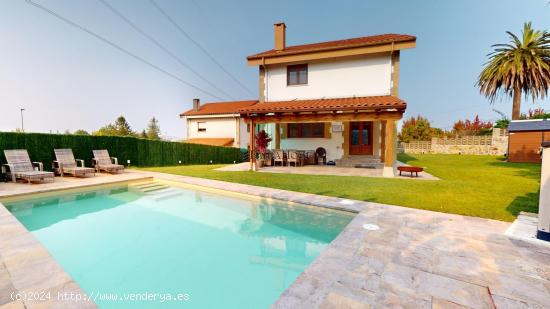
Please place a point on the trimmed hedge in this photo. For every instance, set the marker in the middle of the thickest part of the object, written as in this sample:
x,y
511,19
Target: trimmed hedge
x,y
140,152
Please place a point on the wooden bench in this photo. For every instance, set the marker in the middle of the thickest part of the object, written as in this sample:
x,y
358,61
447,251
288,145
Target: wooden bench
x,y
410,169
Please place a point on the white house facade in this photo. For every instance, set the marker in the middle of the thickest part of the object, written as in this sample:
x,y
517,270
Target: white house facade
x,y
340,96
359,77
217,124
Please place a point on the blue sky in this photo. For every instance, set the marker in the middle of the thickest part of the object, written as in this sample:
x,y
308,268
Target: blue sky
x,y
67,79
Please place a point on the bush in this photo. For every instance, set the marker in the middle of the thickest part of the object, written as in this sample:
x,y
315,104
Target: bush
x,y
140,152
537,113
416,129
468,127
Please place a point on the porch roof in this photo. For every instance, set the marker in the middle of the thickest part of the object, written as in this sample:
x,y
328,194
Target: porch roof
x,y
373,103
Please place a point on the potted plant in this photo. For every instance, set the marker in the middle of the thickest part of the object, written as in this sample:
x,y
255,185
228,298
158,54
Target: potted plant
x,y
262,140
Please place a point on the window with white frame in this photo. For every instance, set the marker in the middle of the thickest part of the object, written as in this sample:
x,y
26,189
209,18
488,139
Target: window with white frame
x,y
296,74
201,126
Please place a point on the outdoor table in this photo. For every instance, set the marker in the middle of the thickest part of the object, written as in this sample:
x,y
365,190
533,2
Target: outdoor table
x,y
410,169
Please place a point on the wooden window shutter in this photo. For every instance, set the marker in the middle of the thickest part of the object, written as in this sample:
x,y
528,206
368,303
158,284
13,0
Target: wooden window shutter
x,y
328,131
284,128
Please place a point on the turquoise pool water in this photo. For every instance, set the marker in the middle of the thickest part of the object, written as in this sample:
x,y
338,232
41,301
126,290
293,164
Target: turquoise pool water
x,y
156,246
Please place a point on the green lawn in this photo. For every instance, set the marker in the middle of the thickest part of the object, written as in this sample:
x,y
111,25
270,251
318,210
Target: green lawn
x,y
480,186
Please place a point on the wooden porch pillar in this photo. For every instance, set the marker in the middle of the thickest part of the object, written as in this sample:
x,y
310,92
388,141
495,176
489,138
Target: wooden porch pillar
x,y
345,145
277,136
383,141
252,145
390,153
262,84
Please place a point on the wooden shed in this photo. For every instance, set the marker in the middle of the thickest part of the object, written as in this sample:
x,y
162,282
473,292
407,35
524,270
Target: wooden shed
x,y
526,137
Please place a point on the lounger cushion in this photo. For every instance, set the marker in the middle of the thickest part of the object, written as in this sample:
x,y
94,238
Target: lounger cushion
x,y
34,174
111,167
78,170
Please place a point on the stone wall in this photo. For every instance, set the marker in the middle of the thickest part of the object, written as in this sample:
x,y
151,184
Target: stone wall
x,y
495,144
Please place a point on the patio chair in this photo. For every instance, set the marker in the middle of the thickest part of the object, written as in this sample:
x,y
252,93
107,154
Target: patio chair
x,y
310,157
321,154
65,163
103,162
21,167
294,157
279,156
268,158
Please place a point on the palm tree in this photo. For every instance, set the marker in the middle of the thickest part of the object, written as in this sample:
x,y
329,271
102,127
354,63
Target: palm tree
x,y
522,66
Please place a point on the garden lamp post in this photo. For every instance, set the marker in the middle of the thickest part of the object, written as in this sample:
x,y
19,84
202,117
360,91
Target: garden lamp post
x,y
22,126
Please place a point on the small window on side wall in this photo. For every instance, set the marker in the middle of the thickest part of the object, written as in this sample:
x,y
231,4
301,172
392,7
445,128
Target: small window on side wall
x,y
296,74
201,126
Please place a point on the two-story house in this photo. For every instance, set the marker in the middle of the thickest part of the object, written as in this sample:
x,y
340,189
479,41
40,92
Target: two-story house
x,y
338,95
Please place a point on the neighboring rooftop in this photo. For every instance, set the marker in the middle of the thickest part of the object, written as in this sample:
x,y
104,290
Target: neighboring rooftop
x,y
219,108
381,39
334,104
529,125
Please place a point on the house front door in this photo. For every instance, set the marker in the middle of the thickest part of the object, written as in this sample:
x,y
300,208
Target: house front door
x,y
360,137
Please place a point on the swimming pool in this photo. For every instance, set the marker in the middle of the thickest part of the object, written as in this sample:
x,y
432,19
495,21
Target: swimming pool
x,y
142,245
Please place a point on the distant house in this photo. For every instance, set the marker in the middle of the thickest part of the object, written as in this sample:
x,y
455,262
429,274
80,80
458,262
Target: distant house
x,y
338,95
526,137
217,124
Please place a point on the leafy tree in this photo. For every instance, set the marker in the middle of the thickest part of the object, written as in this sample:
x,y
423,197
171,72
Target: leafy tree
x,y
153,129
472,127
521,66
67,132
143,134
81,132
416,129
437,132
108,130
119,128
123,127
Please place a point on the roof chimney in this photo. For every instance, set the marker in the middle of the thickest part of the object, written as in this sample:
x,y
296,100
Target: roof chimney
x,y
280,36
196,105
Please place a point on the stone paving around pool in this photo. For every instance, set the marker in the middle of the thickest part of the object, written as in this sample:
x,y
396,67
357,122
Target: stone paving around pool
x,y
416,259
29,276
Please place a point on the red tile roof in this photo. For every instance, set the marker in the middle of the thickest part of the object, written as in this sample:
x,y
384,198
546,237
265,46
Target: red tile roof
x,y
359,103
211,141
219,108
335,45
